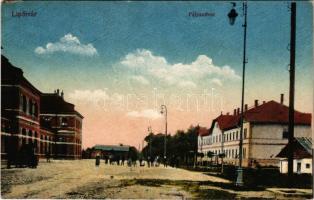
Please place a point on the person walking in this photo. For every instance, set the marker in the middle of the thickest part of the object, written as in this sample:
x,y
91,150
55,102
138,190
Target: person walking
x,y
97,163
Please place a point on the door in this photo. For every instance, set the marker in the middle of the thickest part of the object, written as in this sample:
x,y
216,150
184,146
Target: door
x,y
298,167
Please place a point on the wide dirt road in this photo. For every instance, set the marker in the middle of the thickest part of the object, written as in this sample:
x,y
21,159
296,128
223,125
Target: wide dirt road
x,y
81,179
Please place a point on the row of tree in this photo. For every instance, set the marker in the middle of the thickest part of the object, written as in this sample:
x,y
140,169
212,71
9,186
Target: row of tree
x,y
181,147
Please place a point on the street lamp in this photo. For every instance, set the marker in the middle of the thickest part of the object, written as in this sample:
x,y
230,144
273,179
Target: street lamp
x,y
232,16
150,143
164,111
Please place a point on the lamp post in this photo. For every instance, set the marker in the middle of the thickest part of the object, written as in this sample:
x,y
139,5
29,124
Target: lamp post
x,y
232,16
164,111
150,143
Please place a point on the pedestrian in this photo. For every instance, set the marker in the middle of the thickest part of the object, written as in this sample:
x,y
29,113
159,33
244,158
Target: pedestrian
x,y
48,156
122,162
97,160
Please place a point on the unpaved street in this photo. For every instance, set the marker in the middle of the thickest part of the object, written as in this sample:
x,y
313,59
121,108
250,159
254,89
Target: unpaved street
x,y
81,179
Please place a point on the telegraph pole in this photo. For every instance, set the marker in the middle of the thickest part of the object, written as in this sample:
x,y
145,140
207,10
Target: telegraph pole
x,y
291,91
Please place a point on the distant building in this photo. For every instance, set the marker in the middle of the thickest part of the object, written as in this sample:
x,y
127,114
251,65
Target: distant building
x,y
302,156
29,117
265,133
114,151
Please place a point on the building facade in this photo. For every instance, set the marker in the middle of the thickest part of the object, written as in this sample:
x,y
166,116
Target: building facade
x,y
265,133
23,108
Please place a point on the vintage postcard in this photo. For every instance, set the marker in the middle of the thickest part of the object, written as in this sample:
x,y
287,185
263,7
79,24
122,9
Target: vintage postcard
x,y
156,99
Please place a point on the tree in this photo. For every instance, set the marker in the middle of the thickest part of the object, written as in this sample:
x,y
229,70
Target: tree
x,y
133,153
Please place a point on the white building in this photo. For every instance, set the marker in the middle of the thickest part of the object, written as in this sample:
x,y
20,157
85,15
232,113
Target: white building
x,y
265,133
302,156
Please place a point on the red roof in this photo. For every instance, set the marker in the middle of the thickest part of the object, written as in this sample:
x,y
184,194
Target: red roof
x,y
270,112
227,121
274,112
202,131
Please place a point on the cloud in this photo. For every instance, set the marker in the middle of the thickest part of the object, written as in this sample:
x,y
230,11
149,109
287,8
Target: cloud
x,y
149,114
140,79
216,81
68,44
187,84
89,96
176,74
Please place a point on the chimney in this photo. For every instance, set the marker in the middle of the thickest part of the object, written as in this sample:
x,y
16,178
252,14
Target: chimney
x,y
234,111
245,107
227,113
57,91
221,113
256,103
281,98
264,102
238,111
62,94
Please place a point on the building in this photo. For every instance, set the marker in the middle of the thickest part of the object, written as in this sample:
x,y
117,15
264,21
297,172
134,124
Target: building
x,y
302,156
114,151
59,117
265,133
23,112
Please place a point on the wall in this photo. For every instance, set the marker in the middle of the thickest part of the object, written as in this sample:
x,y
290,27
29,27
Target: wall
x,y
283,165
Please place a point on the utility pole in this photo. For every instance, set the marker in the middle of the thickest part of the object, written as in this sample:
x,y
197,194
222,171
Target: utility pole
x,y
291,91
164,111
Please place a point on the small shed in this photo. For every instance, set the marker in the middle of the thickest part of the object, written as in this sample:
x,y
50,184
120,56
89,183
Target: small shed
x,y
302,156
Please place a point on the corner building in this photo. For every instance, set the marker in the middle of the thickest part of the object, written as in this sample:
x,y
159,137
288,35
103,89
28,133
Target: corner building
x,y
29,116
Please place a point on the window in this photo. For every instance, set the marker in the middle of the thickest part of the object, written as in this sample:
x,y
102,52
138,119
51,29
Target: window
x,y
30,107
30,134
36,110
237,135
245,133
307,165
285,134
23,131
24,101
64,121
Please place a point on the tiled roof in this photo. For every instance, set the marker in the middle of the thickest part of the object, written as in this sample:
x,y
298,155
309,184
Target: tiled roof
x,y
227,121
203,131
271,112
306,143
274,112
301,148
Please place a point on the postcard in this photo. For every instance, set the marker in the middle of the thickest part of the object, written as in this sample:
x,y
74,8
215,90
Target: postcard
x,y
156,99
